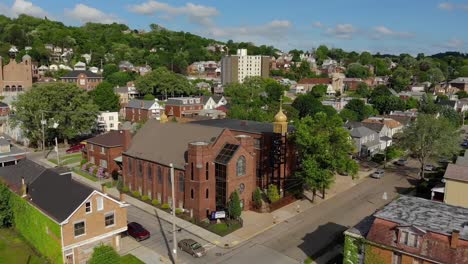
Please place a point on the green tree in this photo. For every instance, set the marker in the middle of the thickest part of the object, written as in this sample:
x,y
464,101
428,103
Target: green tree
x,y
362,110
463,71
356,70
400,79
257,198
109,69
348,115
324,147
387,104
430,137
120,78
365,58
272,193
319,91
105,98
307,104
363,90
380,90
6,213
462,94
454,117
412,103
163,82
66,104
427,105
149,97
104,254
234,207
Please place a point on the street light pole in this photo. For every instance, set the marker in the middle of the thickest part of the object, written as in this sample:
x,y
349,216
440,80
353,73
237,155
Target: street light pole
x,y
57,150
43,132
174,240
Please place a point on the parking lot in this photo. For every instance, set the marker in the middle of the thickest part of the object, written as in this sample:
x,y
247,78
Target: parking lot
x,y
161,238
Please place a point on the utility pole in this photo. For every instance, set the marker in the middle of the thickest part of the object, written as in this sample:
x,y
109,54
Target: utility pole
x,y
43,133
174,240
57,150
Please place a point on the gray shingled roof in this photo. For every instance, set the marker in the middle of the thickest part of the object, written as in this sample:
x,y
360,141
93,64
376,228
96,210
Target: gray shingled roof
x,y
55,194
240,125
426,214
142,104
361,131
113,138
168,143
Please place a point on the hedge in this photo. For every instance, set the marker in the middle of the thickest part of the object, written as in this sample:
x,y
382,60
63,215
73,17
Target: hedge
x,y
33,225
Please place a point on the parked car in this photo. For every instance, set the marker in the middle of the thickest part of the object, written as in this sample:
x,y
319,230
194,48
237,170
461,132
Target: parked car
x,y
379,173
429,167
137,231
76,148
464,144
444,160
192,247
401,162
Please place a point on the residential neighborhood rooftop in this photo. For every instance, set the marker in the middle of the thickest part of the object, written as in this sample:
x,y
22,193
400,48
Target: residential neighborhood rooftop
x,y
142,104
74,74
113,138
456,172
427,215
239,125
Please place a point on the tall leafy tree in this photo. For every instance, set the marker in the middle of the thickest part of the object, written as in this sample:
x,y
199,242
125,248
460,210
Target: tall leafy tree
x,y
105,98
356,70
324,147
66,104
307,104
234,205
400,79
430,137
164,82
6,212
427,105
387,104
362,110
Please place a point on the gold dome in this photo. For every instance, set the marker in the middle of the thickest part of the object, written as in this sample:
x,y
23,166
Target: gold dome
x,y
281,117
163,118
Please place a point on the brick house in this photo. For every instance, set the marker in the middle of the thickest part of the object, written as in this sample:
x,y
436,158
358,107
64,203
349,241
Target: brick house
x,y
106,150
141,110
84,79
73,217
183,106
410,230
16,77
210,162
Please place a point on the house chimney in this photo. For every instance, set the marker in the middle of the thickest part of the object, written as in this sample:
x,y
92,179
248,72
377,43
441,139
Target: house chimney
x,y
23,188
127,139
454,239
122,197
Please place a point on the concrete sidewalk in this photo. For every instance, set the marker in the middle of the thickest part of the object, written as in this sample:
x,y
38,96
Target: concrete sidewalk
x,y
130,246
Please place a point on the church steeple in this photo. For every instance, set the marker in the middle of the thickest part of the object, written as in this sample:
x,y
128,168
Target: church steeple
x,y
280,125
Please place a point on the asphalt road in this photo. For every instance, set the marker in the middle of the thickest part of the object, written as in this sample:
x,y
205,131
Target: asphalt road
x,y
311,233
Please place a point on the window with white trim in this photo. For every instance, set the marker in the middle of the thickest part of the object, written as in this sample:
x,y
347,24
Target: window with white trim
x,y
103,150
104,164
88,207
100,203
109,219
80,228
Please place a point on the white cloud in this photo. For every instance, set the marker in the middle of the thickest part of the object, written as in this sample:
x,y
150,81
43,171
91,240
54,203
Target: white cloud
x,y
449,6
342,31
381,32
273,30
84,13
22,7
453,43
198,14
317,24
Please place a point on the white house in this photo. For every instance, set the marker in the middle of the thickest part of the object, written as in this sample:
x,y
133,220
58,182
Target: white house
x,y
53,67
94,69
80,66
87,57
213,102
108,121
42,70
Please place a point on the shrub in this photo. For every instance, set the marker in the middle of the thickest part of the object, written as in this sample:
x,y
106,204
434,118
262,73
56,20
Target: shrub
x,y
119,184
165,206
179,210
234,207
394,152
272,193
136,194
115,175
378,158
6,212
104,254
155,202
125,189
145,198
83,161
95,171
257,198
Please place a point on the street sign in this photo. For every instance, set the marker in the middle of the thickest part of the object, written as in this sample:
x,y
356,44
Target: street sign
x,y
218,215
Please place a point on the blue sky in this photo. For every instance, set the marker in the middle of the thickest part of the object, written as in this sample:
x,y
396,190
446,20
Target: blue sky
x,y
386,26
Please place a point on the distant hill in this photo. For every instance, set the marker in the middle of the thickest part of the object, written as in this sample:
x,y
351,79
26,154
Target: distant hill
x,y
114,43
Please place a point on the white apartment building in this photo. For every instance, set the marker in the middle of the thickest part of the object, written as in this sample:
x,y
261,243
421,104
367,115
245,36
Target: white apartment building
x,y
236,68
108,121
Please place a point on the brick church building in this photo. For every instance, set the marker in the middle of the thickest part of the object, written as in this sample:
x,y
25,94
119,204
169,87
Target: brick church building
x,y
211,160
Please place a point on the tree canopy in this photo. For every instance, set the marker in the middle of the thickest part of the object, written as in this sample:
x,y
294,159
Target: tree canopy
x,y
360,108
65,104
308,105
324,148
161,81
105,98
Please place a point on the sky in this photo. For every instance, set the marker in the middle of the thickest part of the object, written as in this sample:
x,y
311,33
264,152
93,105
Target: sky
x,y
385,26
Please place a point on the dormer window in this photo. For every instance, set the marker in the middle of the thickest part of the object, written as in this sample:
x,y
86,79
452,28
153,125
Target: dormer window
x,y
408,238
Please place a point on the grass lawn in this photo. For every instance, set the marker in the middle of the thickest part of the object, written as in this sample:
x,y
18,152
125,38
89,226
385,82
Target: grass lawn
x,y
130,259
223,229
84,174
13,249
68,159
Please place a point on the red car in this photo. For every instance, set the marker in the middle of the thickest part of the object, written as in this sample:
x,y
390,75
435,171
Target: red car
x,y
76,148
137,231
